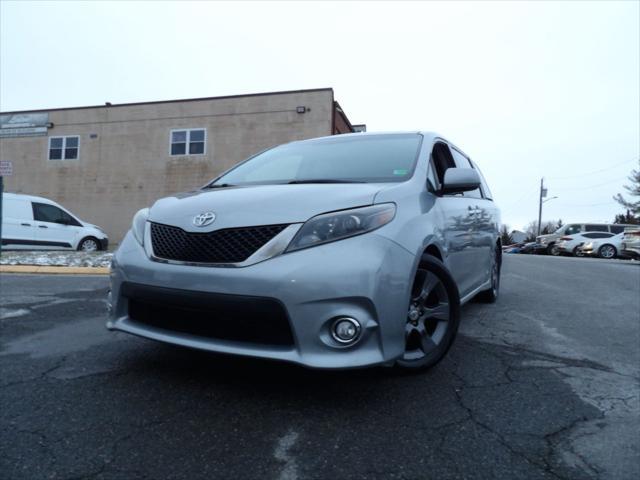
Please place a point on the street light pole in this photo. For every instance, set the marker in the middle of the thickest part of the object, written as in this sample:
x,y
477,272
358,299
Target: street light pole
x,y
543,193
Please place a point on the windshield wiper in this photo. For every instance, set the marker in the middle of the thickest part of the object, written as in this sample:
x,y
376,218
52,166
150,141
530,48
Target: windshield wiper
x,y
324,180
219,185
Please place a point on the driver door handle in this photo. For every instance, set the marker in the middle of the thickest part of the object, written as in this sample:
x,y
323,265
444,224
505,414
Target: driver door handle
x,y
42,226
25,224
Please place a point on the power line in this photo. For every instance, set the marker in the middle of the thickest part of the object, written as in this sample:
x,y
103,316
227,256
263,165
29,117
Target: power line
x,y
588,205
594,172
591,186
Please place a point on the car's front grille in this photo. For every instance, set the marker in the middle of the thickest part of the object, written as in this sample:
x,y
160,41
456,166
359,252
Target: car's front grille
x,y
239,318
229,245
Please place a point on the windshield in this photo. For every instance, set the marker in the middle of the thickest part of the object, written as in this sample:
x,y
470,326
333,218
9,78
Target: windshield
x,y
379,158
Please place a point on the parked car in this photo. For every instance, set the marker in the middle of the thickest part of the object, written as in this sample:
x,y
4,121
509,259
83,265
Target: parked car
x,y
336,252
550,240
532,248
630,245
570,244
37,223
604,247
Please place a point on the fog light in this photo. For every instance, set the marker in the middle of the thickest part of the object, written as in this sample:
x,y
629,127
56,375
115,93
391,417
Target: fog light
x,y
345,330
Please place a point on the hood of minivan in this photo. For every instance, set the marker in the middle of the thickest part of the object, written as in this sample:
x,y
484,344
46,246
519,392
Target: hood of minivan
x,y
261,204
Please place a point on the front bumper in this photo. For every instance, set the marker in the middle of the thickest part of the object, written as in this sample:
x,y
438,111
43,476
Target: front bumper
x,y
366,277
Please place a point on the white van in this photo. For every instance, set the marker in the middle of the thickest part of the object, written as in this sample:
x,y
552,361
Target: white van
x,y
36,223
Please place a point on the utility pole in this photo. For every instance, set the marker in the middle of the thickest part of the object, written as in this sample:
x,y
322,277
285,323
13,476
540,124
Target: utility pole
x,y
543,193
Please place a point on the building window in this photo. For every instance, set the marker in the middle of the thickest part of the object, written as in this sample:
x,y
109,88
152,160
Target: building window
x,y
64,148
188,142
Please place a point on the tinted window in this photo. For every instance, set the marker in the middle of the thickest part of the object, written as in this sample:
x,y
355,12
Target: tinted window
x,y
616,228
49,213
598,235
379,158
572,229
463,162
442,160
590,227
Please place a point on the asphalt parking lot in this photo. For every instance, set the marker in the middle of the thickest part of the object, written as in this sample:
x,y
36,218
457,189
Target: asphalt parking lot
x,y
543,384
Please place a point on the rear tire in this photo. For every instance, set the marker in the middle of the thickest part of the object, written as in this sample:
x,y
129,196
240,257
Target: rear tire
x,y
491,294
433,317
607,251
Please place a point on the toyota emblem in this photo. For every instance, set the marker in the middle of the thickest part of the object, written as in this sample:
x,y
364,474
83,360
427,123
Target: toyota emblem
x,y
204,219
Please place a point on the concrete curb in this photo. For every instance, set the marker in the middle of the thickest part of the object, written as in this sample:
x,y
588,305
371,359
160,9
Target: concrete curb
x,y
56,270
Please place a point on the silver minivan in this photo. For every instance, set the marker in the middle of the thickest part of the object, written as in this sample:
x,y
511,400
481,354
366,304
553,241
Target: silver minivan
x,y
37,223
336,252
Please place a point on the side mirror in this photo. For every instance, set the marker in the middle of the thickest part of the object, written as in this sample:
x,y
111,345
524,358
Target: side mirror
x,y
458,180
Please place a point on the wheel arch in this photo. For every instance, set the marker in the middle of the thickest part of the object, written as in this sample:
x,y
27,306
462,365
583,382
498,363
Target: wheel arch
x,y
433,250
87,237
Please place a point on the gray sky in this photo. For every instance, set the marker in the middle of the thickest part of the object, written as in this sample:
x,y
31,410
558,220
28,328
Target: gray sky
x,y
527,89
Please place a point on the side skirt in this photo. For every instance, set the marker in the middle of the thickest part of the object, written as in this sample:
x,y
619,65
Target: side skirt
x,y
485,286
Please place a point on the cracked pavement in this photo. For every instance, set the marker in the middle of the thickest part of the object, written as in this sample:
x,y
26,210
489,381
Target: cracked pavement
x,y
543,384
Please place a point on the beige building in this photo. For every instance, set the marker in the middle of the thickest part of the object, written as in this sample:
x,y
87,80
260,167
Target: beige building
x,y
106,162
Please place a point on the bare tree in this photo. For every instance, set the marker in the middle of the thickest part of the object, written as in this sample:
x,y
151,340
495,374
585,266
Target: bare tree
x,y
634,190
547,227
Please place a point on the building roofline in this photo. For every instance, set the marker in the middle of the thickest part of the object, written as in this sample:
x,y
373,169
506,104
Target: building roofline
x,y
156,102
339,109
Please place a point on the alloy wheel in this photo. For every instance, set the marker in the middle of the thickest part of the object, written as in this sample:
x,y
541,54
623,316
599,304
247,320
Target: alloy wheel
x,y
89,245
428,316
607,251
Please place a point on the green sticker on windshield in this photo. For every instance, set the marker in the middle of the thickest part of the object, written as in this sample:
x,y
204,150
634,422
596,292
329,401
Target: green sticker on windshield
x,y
400,171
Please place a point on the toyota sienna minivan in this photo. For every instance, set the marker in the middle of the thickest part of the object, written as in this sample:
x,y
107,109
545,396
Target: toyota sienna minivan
x,y
335,252
37,223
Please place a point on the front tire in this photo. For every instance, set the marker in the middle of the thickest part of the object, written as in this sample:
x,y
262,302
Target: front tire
x,y
553,250
89,244
433,316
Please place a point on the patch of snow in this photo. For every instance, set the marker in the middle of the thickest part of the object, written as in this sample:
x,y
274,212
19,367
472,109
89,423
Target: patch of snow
x,y
56,258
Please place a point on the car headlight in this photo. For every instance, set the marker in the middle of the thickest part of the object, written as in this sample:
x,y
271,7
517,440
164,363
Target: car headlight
x,y
333,226
137,226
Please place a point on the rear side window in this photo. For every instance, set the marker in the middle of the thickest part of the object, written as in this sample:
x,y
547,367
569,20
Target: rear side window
x,y
598,235
43,212
616,228
591,227
463,162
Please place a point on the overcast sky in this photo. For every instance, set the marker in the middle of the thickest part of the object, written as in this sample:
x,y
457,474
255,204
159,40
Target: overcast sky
x,y
529,90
